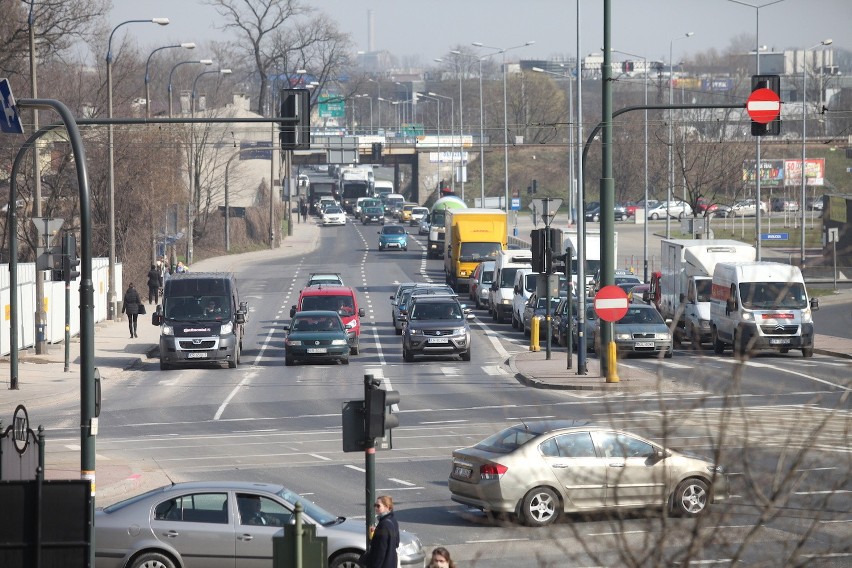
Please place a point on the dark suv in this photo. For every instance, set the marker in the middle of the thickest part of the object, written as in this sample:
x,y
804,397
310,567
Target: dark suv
x,y
436,325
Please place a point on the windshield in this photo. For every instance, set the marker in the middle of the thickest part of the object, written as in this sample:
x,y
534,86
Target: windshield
x,y
197,308
436,311
704,288
529,283
507,277
773,295
642,315
311,509
541,304
316,323
393,230
340,303
487,276
471,252
438,217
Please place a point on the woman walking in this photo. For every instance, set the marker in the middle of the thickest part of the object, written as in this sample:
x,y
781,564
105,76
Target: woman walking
x,y
154,284
131,307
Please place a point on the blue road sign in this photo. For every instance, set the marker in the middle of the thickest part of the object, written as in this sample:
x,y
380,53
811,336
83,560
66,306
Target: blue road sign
x,y
774,236
516,204
10,121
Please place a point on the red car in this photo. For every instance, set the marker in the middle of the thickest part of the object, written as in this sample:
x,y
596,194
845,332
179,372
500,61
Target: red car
x,y
706,206
340,299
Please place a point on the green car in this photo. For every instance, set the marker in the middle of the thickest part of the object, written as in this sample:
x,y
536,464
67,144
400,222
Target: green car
x,y
316,336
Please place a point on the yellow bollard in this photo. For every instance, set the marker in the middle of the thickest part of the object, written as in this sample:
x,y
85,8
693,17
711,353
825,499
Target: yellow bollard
x,y
612,367
534,333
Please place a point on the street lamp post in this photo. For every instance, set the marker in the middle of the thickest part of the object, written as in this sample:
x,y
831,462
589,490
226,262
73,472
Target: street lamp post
x,y
645,207
188,45
370,99
452,136
671,135
462,171
111,293
438,101
192,164
505,117
171,73
804,137
757,213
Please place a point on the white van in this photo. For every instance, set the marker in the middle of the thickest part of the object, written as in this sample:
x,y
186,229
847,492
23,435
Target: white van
x,y
760,305
525,285
393,204
383,187
506,265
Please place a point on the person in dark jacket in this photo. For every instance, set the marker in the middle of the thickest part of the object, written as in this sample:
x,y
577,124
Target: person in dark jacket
x,y
385,540
131,305
154,285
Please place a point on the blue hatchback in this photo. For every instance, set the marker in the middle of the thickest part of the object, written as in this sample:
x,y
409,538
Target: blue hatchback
x,y
393,236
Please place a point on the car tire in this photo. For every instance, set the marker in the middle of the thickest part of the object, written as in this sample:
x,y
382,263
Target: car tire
x,y
152,560
381,248
680,215
669,354
694,338
406,355
345,560
595,218
691,497
398,330
405,248
718,344
164,366
355,349
540,507
515,321
465,356
807,351
740,350
653,217
344,361
289,361
624,217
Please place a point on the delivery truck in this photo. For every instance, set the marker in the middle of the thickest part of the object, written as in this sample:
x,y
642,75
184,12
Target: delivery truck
x,y
681,289
472,236
761,305
436,241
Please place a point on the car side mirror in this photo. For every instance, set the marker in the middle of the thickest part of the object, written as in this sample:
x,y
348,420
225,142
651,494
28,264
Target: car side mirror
x,y
494,286
286,327
517,290
157,318
292,311
815,304
646,297
361,312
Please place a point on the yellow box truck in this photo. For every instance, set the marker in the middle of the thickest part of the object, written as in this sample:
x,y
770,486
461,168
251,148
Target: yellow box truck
x,y
472,236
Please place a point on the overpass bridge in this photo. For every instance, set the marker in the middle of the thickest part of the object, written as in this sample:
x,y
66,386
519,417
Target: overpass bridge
x,y
419,162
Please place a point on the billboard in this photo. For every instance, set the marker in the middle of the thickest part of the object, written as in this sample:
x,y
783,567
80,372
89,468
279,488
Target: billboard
x,y
814,172
331,106
771,173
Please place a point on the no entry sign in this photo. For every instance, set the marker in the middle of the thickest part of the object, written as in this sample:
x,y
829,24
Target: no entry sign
x,y
611,303
763,105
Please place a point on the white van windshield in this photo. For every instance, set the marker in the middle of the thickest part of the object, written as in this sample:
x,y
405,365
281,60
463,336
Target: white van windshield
x,y
773,295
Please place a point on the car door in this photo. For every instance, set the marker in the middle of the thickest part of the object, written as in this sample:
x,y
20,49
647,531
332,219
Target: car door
x,y
634,475
576,465
199,526
254,532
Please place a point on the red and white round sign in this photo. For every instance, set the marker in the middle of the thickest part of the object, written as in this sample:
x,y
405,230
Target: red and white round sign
x,y
611,303
763,105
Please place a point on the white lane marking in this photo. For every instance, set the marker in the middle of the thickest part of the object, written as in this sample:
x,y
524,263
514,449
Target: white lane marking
x,y
493,338
785,370
615,533
485,541
319,457
356,468
828,492
401,482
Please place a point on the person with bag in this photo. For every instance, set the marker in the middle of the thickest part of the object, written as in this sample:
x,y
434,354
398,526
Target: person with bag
x,y
385,539
132,306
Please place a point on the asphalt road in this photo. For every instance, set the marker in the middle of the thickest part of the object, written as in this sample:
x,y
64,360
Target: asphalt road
x,y
780,423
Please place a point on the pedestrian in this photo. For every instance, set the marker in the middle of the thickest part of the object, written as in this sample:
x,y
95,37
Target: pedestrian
x,y
441,559
131,306
181,269
385,539
154,284
304,209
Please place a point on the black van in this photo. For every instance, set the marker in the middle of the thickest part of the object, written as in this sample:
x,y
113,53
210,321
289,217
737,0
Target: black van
x,y
201,319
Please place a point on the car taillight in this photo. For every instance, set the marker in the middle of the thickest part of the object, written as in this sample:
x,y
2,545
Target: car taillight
x,y
492,471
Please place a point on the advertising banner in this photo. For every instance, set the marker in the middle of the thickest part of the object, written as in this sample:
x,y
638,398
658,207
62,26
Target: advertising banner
x,y
814,172
771,173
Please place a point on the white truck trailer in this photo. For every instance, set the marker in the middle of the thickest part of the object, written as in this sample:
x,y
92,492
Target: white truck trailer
x,y
681,289
592,253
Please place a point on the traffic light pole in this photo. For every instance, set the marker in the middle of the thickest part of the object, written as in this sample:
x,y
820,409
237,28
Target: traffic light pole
x,y
369,464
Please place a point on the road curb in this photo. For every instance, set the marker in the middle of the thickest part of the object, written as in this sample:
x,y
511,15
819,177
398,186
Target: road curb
x,y
598,387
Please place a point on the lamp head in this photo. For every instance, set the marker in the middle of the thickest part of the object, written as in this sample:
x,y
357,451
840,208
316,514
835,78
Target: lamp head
x,y
456,52
690,34
828,41
206,61
529,42
161,21
225,71
477,44
188,45
301,71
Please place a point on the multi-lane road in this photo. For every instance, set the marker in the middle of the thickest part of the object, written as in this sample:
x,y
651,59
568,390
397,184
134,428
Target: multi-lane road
x,y
780,423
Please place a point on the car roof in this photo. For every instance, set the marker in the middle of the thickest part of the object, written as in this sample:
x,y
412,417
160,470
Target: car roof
x,y
435,298
327,290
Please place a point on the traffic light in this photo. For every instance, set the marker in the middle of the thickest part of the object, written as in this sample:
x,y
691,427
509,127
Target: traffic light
x,y
538,251
376,151
377,415
296,103
773,83
57,264
70,262
353,426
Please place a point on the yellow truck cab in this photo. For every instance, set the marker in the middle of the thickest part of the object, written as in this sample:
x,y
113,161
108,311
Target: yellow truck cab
x,y
472,236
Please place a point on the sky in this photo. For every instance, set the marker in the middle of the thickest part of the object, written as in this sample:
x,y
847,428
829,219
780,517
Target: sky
x,y
429,29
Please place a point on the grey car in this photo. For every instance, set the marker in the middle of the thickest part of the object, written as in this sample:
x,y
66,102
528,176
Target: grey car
x,y
543,469
436,325
401,307
642,331
220,523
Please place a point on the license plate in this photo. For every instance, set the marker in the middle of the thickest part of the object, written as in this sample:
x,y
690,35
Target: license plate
x,y
644,344
196,355
782,341
438,340
317,350
461,472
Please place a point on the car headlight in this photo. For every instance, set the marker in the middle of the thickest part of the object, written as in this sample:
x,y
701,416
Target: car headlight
x,y
623,336
227,328
459,331
415,331
293,342
167,330
748,316
664,336
339,342
506,302
806,316
715,469
351,324
463,273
